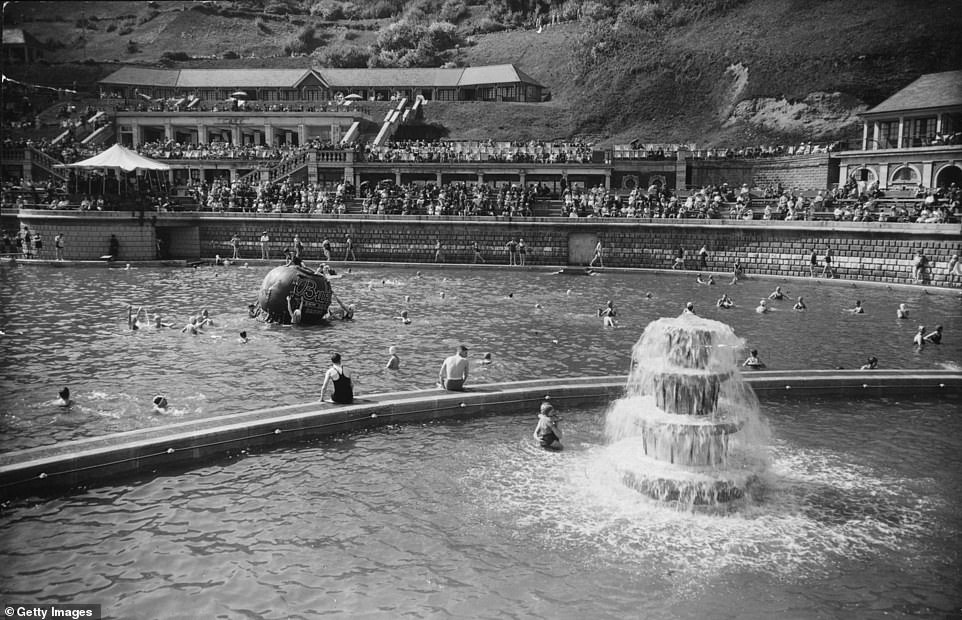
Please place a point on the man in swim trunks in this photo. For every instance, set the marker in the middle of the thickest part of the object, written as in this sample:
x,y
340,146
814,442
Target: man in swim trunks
x,y
454,370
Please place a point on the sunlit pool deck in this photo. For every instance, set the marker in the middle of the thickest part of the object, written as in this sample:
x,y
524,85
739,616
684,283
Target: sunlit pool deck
x,y
91,461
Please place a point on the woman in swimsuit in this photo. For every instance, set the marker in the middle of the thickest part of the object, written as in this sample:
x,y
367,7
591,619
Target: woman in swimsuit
x,y
341,382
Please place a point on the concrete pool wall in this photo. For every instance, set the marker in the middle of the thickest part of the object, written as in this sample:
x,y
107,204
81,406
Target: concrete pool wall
x,y
866,251
87,462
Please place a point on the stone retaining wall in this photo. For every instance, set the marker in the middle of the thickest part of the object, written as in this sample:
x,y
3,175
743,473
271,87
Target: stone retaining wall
x,y
869,251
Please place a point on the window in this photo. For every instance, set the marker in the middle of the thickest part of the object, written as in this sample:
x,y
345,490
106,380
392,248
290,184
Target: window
x,y
905,175
919,131
888,134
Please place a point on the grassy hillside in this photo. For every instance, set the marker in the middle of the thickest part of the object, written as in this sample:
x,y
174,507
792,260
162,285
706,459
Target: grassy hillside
x,y
713,71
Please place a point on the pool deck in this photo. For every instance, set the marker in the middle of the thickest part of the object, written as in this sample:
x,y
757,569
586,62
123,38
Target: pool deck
x,y
93,461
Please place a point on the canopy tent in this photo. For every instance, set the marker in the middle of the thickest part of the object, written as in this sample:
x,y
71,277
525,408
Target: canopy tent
x,y
119,157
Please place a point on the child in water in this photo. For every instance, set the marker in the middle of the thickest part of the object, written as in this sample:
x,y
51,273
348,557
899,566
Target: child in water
x,y
160,404
64,400
548,432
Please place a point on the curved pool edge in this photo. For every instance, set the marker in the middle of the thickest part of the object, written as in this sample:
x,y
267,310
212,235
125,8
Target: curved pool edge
x,y
92,461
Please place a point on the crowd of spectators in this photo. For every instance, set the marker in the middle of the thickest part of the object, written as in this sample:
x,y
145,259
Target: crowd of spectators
x,y
270,197
462,199
168,149
444,151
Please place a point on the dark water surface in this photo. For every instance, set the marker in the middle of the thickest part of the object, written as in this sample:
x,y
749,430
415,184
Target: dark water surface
x,y
67,326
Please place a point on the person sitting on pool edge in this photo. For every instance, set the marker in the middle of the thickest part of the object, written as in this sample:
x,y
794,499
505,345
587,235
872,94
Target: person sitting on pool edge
x,y
548,431
454,370
343,392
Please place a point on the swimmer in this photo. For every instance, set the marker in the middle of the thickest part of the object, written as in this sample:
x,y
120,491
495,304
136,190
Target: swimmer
x,y
191,327
858,307
777,293
608,314
486,359
242,338
418,275
648,295
160,404
568,292
442,294
64,400
753,361
800,305
393,362
407,299
936,336
296,315
253,311
762,307
689,308
403,317
133,319
709,281
548,431
205,319
919,338
902,312
725,301
870,364
538,306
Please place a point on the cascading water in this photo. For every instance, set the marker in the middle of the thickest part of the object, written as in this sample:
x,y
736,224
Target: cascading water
x,y
688,429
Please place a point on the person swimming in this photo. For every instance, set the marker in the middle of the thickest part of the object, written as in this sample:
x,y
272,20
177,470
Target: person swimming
x,y
160,404
936,336
858,307
242,338
709,281
608,314
64,400
725,302
752,361
777,293
486,359
548,431
800,305
902,312
403,317
689,308
393,362
919,338
762,307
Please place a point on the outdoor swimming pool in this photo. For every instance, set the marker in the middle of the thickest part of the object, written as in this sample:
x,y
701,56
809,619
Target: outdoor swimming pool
x,y
66,326
858,519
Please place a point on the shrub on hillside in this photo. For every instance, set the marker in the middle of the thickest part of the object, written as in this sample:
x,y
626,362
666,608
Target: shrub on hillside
x,y
262,25
111,27
644,16
175,57
486,25
454,11
342,56
132,47
304,42
380,9
230,55
330,10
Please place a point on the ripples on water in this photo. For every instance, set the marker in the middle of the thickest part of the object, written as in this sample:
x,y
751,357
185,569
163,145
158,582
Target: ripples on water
x,y
67,326
858,518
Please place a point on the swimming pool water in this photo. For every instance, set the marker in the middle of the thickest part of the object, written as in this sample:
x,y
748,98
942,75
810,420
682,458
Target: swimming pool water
x,y
858,519
67,327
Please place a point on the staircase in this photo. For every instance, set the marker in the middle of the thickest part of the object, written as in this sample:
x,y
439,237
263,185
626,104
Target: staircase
x,y
391,120
278,171
46,163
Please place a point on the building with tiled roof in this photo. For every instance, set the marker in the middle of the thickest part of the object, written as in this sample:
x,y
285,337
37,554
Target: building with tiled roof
x,y
20,46
912,138
486,83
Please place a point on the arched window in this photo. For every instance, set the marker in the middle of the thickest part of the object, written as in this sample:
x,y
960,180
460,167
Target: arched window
x,y
905,175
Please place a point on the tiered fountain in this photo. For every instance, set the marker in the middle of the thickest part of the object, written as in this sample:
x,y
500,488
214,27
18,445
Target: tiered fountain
x,y
688,429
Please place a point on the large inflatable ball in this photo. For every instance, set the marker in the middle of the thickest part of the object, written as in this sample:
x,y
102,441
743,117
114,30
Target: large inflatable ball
x,y
302,285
